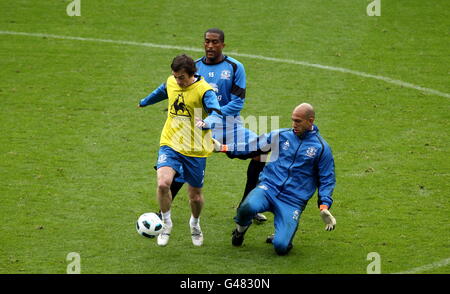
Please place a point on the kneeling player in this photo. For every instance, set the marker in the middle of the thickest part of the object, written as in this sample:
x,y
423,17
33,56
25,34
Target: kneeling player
x,y
301,163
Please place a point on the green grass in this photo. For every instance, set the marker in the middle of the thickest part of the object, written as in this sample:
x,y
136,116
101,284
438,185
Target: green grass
x,y
76,155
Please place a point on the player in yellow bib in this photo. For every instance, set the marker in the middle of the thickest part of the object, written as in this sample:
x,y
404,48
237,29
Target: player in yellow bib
x,y
185,141
184,105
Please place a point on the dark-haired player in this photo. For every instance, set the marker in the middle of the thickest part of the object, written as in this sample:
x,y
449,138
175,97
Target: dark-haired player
x,y
185,140
227,77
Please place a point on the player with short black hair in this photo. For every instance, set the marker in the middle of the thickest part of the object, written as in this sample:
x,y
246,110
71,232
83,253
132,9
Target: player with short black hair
x,y
217,32
228,78
183,147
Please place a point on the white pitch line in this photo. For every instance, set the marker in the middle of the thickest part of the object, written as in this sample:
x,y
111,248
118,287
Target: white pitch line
x,y
259,57
427,267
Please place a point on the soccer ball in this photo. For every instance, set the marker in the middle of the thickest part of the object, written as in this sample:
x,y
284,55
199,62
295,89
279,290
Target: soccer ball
x,y
149,225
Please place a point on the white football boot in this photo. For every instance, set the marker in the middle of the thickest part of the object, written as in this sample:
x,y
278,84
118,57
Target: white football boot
x,y
260,218
197,235
163,238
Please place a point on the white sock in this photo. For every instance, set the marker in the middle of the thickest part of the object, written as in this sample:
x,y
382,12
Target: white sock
x,y
241,228
166,218
193,222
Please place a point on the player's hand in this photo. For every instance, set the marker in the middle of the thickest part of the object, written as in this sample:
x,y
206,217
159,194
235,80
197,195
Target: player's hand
x,y
199,123
328,219
219,147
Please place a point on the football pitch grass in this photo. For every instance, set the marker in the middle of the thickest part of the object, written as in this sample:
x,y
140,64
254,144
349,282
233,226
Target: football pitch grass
x,y
77,155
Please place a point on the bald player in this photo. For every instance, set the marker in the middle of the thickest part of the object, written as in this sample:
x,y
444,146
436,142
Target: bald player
x,y
304,164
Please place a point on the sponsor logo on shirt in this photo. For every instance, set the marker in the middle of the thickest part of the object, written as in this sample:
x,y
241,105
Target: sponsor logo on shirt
x,y
179,107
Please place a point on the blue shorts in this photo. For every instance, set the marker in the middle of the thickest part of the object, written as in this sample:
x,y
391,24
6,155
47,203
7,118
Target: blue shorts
x,y
286,215
191,168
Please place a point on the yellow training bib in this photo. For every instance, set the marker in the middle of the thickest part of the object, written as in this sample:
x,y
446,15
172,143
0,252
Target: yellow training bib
x,y
180,132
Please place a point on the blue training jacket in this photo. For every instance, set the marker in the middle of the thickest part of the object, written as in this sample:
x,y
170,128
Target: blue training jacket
x,y
298,165
228,80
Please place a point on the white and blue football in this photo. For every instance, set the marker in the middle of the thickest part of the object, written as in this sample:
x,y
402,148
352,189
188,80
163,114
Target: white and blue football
x,y
149,225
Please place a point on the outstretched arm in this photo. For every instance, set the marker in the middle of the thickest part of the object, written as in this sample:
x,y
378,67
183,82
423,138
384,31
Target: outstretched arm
x,y
327,178
254,147
212,107
327,182
156,96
